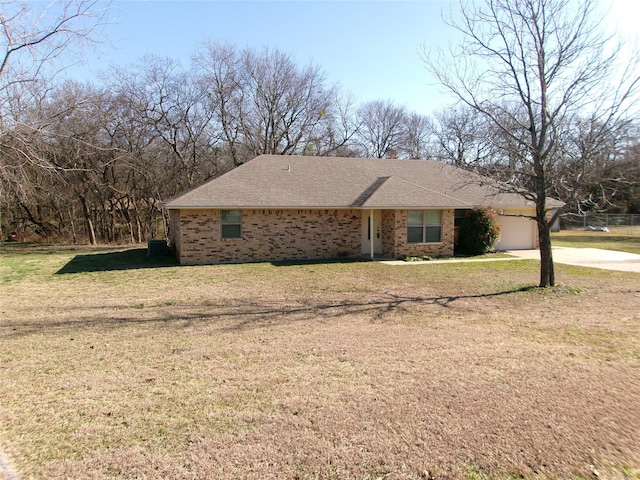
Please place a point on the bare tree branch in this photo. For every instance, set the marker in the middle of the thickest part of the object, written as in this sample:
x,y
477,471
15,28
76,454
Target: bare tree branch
x,y
534,69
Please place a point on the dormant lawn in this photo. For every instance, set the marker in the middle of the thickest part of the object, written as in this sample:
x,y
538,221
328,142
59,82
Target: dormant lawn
x,y
113,365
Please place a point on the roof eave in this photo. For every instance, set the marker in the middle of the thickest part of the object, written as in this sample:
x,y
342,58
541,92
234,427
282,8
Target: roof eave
x,y
334,207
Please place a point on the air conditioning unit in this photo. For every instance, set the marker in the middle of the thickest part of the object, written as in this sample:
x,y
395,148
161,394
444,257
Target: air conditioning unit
x,y
157,248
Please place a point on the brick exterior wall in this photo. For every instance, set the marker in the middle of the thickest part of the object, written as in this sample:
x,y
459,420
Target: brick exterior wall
x,y
268,235
388,232
271,235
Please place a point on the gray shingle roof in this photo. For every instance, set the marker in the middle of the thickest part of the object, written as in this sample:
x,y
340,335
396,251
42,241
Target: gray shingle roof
x,y
275,181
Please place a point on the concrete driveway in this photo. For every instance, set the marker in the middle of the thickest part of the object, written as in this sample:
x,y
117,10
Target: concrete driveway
x,y
587,257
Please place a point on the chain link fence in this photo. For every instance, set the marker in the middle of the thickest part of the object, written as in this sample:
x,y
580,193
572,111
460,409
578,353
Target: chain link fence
x,y
599,221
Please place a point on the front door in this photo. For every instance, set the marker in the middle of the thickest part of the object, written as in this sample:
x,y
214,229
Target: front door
x,y
371,223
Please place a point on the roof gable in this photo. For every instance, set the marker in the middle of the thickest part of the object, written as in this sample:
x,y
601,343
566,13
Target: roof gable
x,y
276,181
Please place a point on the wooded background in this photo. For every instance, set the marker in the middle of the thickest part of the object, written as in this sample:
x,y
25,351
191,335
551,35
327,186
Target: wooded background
x,y
92,161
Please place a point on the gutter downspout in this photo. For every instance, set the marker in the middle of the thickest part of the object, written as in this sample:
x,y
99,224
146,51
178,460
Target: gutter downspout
x,y
371,232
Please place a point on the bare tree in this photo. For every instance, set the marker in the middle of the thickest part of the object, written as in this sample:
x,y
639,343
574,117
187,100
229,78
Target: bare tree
x,y
623,188
73,144
219,68
417,138
382,126
26,176
177,110
265,103
462,137
611,173
32,37
531,68
162,122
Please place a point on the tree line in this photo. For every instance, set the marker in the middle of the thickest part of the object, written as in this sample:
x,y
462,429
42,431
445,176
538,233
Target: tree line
x,y
92,161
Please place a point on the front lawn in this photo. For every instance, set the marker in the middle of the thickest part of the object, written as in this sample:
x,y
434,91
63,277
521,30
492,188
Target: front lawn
x,y
112,366
624,239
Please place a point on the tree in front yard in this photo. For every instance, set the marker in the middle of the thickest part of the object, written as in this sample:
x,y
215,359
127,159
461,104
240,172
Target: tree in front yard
x,y
533,70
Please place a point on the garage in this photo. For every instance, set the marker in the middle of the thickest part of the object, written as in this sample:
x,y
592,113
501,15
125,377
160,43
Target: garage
x,y
516,233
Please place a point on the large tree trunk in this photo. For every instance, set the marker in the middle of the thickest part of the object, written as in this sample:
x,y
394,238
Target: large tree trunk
x,y
73,225
544,234
87,217
547,275
544,228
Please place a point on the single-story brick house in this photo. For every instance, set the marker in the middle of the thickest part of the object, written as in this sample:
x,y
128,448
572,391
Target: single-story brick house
x,y
295,207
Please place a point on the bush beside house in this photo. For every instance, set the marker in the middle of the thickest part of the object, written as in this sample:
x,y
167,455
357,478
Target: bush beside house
x,y
479,232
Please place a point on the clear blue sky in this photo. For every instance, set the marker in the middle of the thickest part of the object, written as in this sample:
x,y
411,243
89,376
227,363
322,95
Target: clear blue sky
x,y
370,48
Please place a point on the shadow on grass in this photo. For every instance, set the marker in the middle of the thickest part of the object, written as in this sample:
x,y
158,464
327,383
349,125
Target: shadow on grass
x,y
248,314
131,259
320,261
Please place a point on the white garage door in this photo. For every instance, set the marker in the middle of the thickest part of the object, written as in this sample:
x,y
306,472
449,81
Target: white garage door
x,y
516,233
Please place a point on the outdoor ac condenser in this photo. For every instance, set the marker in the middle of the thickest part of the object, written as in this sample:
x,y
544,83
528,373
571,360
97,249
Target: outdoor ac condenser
x,y
157,248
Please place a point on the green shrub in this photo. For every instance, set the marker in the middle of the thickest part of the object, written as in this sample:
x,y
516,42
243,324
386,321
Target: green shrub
x,y
479,232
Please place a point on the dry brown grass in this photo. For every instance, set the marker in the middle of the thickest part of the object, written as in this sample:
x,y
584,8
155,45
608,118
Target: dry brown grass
x,y
317,371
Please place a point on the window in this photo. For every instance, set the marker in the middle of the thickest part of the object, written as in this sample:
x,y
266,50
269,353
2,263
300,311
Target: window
x,y
424,226
459,216
231,222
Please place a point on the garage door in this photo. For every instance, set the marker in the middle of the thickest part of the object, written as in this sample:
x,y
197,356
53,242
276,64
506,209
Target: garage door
x,y
516,233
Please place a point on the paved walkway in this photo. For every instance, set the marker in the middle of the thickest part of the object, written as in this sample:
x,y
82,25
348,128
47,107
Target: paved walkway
x,y
583,257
